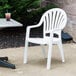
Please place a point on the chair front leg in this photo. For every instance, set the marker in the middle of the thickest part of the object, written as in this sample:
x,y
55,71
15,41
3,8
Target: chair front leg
x,y
25,51
26,45
49,56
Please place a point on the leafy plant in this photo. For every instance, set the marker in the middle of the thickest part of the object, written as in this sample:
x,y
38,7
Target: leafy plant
x,y
4,5
20,7
26,11
33,16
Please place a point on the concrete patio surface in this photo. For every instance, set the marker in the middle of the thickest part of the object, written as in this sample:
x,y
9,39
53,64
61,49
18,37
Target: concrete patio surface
x,y
36,65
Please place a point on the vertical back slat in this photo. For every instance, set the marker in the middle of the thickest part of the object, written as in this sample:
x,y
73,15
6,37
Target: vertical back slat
x,y
53,23
57,18
47,21
50,20
61,22
54,19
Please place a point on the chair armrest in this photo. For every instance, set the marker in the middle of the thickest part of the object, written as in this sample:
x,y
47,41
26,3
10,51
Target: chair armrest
x,y
29,28
32,26
37,25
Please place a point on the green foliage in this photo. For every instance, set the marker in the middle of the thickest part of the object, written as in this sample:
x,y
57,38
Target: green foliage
x,y
17,7
20,7
4,5
26,11
34,16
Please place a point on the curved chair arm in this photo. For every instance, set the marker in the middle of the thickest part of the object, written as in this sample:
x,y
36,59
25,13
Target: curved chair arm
x,y
29,28
32,26
37,25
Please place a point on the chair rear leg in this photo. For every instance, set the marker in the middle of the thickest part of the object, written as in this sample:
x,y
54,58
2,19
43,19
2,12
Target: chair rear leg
x,y
61,51
49,56
43,50
25,51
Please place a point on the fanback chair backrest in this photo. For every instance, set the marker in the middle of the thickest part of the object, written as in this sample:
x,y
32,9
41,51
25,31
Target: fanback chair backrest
x,y
54,19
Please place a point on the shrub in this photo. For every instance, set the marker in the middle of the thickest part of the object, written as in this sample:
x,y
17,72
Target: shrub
x,y
4,6
26,11
34,16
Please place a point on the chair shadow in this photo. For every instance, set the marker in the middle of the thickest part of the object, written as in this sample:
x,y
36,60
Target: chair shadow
x,y
42,63
15,37
12,37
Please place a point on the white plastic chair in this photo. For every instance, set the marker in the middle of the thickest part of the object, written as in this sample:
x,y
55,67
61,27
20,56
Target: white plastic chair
x,y
53,20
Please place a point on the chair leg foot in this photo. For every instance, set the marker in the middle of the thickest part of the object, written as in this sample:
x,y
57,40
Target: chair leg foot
x,y
25,58
48,67
63,61
25,62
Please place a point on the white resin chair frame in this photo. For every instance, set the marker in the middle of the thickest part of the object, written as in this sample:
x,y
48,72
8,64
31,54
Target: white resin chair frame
x,y
53,20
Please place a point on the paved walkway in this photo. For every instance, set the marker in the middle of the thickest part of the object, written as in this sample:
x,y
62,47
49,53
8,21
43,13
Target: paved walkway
x,y
37,64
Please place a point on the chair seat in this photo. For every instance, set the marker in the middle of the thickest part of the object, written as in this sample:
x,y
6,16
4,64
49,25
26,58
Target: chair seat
x,y
37,40
42,40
